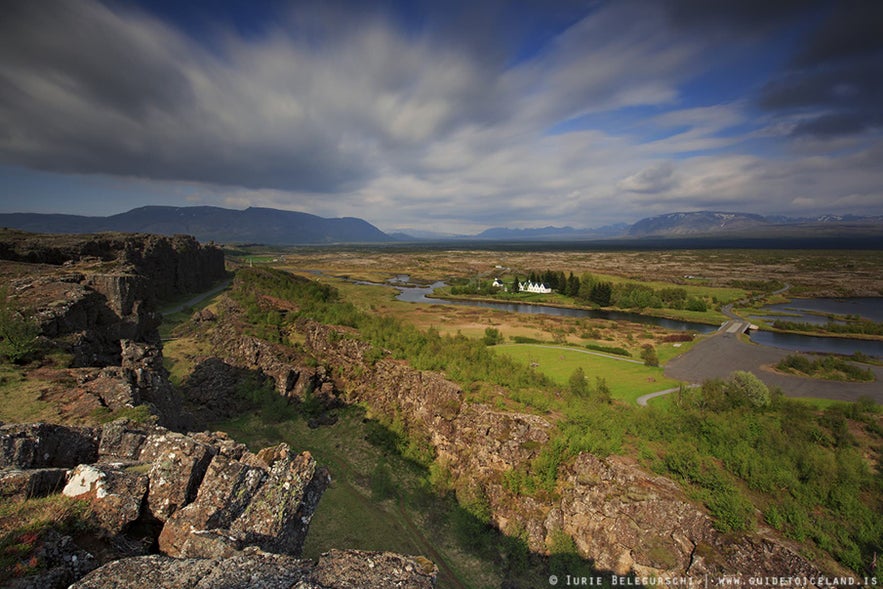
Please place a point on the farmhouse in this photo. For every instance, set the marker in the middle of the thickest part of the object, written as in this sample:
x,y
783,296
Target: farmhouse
x,y
537,287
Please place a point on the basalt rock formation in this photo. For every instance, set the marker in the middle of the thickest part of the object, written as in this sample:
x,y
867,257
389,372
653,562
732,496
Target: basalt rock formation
x,y
623,518
94,297
94,290
200,495
338,569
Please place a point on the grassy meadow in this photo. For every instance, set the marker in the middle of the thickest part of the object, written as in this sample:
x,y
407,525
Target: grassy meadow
x,y
628,379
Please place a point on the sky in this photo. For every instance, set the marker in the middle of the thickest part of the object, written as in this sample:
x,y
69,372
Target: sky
x,y
451,116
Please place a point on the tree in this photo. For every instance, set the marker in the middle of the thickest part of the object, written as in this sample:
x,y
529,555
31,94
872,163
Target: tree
x,y
601,293
577,383
648,354
18,335
515,285
572,286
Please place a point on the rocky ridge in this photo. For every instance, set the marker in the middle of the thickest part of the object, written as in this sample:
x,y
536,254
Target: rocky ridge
x,y
621,517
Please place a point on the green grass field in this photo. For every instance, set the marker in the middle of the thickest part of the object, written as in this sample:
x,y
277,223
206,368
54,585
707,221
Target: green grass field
x,y
627,380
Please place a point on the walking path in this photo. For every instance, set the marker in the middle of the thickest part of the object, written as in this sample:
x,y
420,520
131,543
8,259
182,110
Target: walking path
x,y
189,303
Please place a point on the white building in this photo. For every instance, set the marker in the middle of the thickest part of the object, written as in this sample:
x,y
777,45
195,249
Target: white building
x,y
537,287
498,284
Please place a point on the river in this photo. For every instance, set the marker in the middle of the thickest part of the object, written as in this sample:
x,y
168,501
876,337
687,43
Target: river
x,y
865,307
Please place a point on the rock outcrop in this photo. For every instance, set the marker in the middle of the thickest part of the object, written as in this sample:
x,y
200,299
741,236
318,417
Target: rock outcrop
x,y
251,569
621,517
293,376
204,495
95,290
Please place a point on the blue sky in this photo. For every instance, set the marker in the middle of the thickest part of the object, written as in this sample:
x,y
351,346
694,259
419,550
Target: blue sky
x,y
448,116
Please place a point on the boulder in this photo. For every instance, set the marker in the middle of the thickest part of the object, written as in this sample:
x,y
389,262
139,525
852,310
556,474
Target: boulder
x,y
254,569
265,500
123,439
116,493
178,464
355,569
250,570
46,445
60,562
37,482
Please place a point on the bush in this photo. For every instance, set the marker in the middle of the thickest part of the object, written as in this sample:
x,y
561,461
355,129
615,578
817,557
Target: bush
x,y
492,336
648,354
578,385
18,334
744,385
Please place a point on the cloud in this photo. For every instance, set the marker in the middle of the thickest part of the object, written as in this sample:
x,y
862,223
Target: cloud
x,y
653,180
84,88
836,80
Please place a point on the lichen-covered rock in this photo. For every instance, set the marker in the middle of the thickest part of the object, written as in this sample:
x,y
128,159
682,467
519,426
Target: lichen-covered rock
x,y
25,484
178,464
60,561
46,445
254,569
355,569
123,439
227,488
265,500
116,493
249,570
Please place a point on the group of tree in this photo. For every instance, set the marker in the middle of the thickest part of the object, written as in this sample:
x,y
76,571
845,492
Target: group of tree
x,y
603,293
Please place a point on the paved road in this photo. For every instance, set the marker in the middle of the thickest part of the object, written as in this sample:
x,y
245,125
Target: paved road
x,y
723,352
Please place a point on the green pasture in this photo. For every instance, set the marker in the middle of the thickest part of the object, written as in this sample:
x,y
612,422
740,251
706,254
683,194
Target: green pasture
x,y
627,380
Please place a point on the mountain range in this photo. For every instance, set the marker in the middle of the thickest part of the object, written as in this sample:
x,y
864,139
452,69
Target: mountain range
x,y
252,225
278,227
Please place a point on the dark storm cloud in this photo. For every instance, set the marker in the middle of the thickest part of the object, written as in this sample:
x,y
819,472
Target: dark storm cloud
x,y
85,48
835,85
743,17
95,89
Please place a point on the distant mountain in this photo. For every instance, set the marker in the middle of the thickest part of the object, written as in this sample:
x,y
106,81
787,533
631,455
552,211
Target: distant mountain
x,y
697,223
716,223
551,233
253,225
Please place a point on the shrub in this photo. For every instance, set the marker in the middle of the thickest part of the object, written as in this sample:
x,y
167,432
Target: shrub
x,y
492,336
744,385
648,354
18,334
578,385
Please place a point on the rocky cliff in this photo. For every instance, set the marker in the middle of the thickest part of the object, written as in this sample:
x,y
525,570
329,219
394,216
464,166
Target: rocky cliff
x,y
220,515
94,290
623,518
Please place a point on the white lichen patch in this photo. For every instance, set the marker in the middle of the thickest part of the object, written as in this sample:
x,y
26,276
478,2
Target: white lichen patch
x,y
85,479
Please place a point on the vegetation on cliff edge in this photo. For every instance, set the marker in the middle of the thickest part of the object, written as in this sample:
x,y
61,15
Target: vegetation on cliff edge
x,y
735,445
